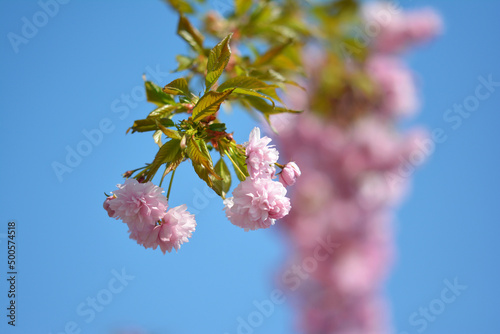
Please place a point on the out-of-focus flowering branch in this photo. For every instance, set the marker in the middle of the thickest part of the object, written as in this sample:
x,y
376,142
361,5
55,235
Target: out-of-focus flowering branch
x,y
352,160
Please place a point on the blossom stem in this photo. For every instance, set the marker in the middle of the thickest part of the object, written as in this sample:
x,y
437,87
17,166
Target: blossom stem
x,y
234,164
170,185
279,165
138,175
163,176
135,170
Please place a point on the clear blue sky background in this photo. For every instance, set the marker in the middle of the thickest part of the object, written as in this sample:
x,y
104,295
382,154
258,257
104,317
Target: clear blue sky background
x,y
66,79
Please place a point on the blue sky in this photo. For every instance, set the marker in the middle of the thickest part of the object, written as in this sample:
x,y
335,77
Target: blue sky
x,y
81,70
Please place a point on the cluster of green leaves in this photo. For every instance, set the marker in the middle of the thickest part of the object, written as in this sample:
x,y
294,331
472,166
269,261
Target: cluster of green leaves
x,y
200,133
344,91
259,53
274,37
290,29
286,29
194,137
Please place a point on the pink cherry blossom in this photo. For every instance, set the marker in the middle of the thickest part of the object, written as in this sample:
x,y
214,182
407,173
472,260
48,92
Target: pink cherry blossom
x,y
106,207
352,177
289,174
257,204
176,228
396,85
260,156
398,30
139,204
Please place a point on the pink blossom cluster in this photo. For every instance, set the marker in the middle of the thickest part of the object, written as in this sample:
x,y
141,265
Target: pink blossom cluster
x,y
259,201
397,32
352,178
143,208
396,85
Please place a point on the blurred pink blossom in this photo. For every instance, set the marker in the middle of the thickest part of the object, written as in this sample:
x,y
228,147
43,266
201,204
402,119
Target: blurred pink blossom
x,y
396,85
345,193
398,30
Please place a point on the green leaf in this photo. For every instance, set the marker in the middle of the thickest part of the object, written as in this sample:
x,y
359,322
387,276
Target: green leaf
x,y
238,160
353,48
268,110
263,14
280,110
181,6
265,108
271,92
184,63
269,75
167,153
274,76
172,165
205,176
155,94
243,81
224,184
157,138
168,132
217,127
209,104
242,6
177,87
190,34
162,112
270,54
150,124
217,61
251,92
296,84
197,151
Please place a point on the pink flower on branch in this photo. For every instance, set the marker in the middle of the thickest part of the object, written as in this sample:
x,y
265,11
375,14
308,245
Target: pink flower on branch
x,y
106,207
257,204
175,228
260,157
289,174
138,204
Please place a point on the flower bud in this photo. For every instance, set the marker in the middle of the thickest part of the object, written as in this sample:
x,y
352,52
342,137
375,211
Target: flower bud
x,y
289,174
106,207
183,143
128,174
